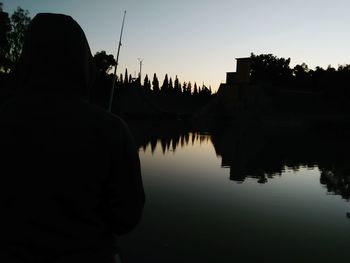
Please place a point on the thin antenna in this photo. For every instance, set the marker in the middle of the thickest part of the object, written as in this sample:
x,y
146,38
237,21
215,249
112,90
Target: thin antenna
x,y
115,67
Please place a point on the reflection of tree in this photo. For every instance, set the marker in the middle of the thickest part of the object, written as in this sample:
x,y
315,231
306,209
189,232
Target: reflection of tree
x,y
168,136
337,182
263,153
153,144
244,149
257,152
171,144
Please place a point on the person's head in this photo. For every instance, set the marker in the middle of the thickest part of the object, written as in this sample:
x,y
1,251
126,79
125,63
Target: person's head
x,y
56,56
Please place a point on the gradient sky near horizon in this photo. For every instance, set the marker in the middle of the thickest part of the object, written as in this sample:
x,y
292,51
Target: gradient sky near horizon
x,y
198,40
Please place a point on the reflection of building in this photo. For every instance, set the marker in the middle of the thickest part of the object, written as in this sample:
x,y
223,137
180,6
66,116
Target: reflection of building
x,y
237,93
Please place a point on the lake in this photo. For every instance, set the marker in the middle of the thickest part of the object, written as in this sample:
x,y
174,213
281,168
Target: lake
x,y
249,195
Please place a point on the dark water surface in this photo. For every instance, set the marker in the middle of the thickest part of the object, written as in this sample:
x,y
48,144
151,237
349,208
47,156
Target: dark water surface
x,y
213,198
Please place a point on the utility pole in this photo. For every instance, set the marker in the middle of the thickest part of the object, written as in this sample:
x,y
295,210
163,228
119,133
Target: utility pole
x,y
141,61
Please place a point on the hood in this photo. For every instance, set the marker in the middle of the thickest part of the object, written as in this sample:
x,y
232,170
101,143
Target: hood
x,y
56,57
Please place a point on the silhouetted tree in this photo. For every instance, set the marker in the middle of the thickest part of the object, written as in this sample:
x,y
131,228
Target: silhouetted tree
x,y
330,68
12,30
300,71
19,22
121,78
189,88
103,62
126,77
103,82
165,86
302,76
204,91
171,86
344,68
5,29
184,88
177,85
147,83
268,69
155,83
195,89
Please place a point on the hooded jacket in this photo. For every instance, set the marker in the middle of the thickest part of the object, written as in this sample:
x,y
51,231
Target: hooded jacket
x,y
70,172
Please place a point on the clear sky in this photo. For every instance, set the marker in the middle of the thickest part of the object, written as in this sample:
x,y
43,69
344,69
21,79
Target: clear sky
x,y
198,40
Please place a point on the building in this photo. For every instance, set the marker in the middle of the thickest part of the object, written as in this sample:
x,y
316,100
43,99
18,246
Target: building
x,y
238,94
242,74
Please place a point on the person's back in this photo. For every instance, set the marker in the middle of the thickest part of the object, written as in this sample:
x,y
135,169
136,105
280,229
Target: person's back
x,y
70,171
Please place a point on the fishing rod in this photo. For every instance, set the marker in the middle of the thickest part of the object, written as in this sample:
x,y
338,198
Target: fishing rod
x,y
115,67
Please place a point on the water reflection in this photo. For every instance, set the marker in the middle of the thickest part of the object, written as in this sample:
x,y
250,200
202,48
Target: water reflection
x,y
169,144
265,153
337,183
194,213
260,153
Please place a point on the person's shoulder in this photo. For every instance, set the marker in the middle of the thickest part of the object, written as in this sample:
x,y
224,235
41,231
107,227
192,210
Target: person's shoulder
x,y
103,115
109,123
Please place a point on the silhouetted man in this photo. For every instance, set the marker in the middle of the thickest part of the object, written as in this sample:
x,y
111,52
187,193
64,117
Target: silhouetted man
x,y
70,173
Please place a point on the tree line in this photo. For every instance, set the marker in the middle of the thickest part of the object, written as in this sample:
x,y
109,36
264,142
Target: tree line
x,y
105,62
318,90
269,70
